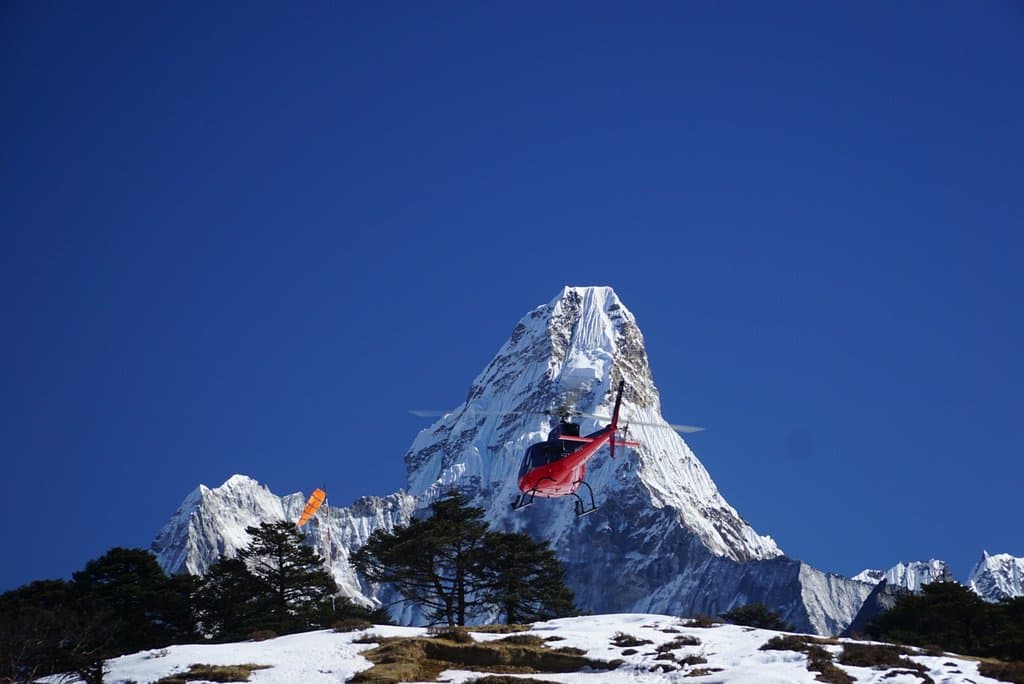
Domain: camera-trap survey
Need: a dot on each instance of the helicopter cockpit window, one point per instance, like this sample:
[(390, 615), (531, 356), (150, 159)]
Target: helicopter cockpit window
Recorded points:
[(540, 455)]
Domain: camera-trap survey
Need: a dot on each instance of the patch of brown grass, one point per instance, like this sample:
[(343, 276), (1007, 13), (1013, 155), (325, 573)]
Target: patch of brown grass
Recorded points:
[(500, 629), (623, 640), (702, 621), (457, 634), (522, 640), (422, 659), (797, 642), (213, 673), (351, 625), (504, 679), (1003, 671), (678, 642), (262, 635), (883, 657), (703, 671), (818, 659)]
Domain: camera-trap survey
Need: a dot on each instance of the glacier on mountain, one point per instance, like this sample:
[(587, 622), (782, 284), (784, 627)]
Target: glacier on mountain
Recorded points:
[(663, 538)]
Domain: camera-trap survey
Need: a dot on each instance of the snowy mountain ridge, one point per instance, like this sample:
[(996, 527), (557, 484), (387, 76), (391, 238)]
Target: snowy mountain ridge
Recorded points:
[(663, 539), (994, 577), (910, 576), (211, 523)]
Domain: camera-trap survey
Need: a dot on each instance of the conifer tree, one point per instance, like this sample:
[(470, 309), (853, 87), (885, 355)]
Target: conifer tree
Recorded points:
[(524, 579), (294, 588), (435, 562), (450, 565), (227, 600), (950, 615), (130, 585)]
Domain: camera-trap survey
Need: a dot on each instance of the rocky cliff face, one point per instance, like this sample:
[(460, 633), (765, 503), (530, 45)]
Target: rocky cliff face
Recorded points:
[(663, 538)]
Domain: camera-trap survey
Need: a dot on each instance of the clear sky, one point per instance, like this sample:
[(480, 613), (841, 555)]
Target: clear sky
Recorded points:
[(248, 237)]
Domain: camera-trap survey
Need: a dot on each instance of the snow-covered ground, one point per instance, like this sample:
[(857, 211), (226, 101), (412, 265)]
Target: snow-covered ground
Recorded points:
[(732, 652)]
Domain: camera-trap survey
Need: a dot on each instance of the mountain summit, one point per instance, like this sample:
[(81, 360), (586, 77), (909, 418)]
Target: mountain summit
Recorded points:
[(663, 538), (574, 351)]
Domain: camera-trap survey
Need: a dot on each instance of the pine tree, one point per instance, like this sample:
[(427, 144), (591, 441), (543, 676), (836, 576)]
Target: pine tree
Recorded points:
[(524, 579), (227, 600), (294, 589), (451, 566), (434, 563), (119, 603), (146, 609), (946, 614)]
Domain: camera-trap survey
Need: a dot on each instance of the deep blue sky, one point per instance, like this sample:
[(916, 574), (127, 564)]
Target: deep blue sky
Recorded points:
[(248, 238)]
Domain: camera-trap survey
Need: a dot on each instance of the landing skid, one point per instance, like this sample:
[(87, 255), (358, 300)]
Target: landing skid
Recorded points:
[(526, 498), (581, 508)]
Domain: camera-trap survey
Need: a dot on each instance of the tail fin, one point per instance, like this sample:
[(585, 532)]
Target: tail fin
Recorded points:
[(615, 417)]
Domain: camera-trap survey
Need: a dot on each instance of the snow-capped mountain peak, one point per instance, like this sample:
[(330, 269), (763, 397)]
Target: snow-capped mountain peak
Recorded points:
[(998, 576), (574, 350), (663, 539)]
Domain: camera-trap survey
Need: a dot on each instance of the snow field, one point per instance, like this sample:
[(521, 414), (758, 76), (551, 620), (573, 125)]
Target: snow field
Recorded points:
[(733, 651)]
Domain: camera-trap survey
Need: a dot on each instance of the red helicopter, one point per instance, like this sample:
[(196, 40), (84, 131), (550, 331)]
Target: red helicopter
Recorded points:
[(557, 466)]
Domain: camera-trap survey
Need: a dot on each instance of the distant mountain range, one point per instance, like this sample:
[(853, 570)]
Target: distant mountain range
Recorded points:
[(663, 539)]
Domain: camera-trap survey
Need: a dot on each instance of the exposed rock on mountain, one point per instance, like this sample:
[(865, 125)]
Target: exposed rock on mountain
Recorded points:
[(998, 576)]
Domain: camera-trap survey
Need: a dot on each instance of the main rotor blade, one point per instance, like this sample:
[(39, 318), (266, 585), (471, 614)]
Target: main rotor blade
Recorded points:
[(424, 413), (686, 429), (675, 426)]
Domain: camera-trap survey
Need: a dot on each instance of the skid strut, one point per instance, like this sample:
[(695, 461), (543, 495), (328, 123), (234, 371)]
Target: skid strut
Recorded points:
[(581, 508), (526, 498)]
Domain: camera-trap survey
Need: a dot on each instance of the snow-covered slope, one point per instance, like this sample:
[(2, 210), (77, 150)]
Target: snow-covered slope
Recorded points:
[(998, 576), (663, 539), (725, 653)]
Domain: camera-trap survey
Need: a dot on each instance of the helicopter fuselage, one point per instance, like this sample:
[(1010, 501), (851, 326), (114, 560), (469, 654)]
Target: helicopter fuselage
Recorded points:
[(558, 466)]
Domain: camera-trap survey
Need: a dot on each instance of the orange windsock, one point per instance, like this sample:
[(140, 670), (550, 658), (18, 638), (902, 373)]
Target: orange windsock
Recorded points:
[(315, 499)]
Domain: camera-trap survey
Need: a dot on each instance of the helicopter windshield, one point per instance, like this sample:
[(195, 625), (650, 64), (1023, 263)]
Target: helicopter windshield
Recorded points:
[(540, 455)]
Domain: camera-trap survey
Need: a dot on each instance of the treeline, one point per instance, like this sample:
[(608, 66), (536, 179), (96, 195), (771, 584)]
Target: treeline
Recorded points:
[(450, 565), (951, 617), (123, 602)]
